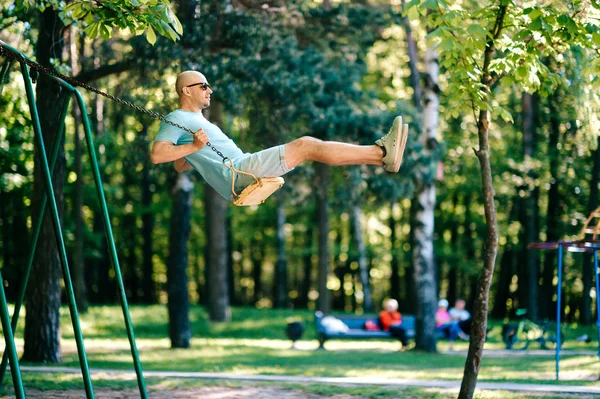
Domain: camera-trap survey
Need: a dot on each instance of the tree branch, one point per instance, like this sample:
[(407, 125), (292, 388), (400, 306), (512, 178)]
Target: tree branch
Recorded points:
[(95, 74)]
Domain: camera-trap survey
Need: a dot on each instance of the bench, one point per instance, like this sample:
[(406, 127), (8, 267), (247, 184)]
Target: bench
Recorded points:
[(356, 328)]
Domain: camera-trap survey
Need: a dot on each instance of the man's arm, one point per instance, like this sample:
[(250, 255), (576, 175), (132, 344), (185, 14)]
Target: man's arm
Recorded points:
[(164, 151), (181, 165)]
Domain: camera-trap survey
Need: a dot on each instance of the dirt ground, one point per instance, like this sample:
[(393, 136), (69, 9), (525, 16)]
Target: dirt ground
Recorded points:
[(248, 392)]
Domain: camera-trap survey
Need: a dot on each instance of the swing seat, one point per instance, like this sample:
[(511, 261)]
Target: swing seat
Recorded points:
[(257, 192)]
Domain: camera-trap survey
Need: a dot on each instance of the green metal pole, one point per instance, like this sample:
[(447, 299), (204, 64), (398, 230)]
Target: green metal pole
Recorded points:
[(10, 344), (111, 243), (58, 233), (37, 227)]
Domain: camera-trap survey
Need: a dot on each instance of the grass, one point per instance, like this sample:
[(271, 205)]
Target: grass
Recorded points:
[(255, 343)]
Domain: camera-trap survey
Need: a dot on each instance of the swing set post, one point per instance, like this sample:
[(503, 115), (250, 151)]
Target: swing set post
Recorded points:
[(37, 227), (111, 243), (10, 347), (58, 232), (49, 194)]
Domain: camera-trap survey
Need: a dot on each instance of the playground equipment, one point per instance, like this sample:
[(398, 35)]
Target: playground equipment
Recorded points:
[(520, 336), (588, 242), (8, 328)]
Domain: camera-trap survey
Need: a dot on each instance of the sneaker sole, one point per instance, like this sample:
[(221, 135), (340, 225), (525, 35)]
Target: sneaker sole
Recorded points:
[(401, 138)]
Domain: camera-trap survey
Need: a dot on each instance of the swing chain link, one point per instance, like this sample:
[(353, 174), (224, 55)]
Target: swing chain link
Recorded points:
[(38, 67)]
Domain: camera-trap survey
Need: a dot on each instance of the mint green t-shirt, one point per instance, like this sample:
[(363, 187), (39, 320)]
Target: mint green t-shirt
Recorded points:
[(204, 161)]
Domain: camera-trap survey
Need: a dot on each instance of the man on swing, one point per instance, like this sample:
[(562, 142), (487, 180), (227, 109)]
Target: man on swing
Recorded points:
[(188, 151)]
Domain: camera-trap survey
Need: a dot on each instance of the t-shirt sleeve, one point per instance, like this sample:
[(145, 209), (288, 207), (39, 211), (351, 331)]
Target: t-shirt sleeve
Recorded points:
[(169, 133)]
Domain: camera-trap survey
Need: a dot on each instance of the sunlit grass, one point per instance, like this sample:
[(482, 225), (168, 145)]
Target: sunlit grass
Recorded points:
[(255, 343), (126, 384)]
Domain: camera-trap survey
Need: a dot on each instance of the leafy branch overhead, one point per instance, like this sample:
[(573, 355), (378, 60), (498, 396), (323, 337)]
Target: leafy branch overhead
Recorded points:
[(532, 33), (100, 18)]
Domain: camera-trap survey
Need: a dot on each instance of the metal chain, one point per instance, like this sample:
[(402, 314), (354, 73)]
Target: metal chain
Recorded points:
[(38, 67)]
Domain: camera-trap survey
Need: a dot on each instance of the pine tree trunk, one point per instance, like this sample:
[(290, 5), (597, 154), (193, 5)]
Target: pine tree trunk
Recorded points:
[(42, 326), (395, 278), (148, 286), (216, 256), (180, 331), (77, 265), (531, 204), (363, 264), (307, 268), (256, 248), (128, 229), (231, 275), (588, 261), (216, 246), (451, 264), (322, 183), (280, 289), (507, 269), (553, 212), (105, 286), (408, 291)]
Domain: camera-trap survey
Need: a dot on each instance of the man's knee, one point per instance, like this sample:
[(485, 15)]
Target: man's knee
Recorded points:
[(300, 150), (307, 142)]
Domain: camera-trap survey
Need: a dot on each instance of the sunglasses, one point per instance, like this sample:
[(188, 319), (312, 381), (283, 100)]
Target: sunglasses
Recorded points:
[(205, 86)]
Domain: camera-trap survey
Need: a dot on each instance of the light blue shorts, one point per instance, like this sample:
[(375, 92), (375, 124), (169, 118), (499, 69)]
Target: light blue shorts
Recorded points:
[(265, 163)]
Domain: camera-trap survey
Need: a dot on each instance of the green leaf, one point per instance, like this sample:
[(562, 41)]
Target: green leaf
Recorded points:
[(535, 13), (177, 25), (522, 72), (151, 36), (477, 30), (536, 24), (413, 14), (504, 114), (596, 38)]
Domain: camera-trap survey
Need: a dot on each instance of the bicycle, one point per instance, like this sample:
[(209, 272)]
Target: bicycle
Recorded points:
[(518, 337)]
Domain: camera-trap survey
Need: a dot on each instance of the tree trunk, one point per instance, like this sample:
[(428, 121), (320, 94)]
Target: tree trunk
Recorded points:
[(408, 291), (530, 208), (363, 264), (395, 278), (588, 263), (507, 269), (307, 268), (553, 214), (42, 325), (231, 275), (78, 266), (322, 183), (256, 249), (148, 286), (423, 256), (280, 290), (216, 246), (128, 229), (480, 311), (180, 331), (216, 255), (415, 76)]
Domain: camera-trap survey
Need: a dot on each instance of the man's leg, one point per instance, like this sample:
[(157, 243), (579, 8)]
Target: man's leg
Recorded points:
[(331, 153), (387, 152)]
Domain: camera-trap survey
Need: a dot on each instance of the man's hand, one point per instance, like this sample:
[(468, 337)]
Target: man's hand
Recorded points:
[(200, 139)]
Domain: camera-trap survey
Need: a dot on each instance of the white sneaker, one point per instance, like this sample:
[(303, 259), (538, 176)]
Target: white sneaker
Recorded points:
[(394, 144)]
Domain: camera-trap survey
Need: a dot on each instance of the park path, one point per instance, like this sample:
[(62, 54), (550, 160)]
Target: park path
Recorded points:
[(388, 382)]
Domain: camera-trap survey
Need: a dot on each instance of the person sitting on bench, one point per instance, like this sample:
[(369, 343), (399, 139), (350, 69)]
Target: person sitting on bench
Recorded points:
[(391, 320)]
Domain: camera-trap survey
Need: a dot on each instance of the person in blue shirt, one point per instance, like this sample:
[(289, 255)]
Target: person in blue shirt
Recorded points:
[(188, 151)]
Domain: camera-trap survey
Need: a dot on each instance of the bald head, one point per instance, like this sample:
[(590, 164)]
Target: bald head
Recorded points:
[(187, 78)]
